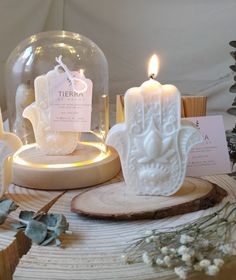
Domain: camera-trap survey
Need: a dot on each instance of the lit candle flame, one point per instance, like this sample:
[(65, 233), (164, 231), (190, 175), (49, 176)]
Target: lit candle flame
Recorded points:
[(153, 66)]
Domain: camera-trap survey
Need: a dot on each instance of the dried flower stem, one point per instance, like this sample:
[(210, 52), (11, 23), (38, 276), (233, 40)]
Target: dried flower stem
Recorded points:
[(201, 245)]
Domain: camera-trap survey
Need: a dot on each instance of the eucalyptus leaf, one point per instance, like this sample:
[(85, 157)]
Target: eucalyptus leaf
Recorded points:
[(36, 231), (49, 239), (56, 223), (233, 68), (26, 215), (233, 54), (233, 88), (50, 219), (58, 242), (3, 217), (18, 227), (43, 228), (234, 103), (232, 111), (6, 206), (233, 44)]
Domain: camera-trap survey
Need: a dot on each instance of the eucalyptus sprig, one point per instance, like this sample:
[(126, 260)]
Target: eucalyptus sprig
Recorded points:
[(202, 245), (42, 228)]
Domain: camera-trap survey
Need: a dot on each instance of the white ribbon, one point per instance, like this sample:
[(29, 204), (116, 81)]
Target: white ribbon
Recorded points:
[(70, 76)]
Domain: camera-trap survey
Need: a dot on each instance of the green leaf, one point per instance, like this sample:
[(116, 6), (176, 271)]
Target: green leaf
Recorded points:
[(3, 217), (41, 228), (55, 222), (26, 215), (49, 239), (6, 206), (36, 231)]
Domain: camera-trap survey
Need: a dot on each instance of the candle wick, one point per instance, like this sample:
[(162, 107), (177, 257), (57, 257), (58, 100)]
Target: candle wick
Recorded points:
[(152, 76)]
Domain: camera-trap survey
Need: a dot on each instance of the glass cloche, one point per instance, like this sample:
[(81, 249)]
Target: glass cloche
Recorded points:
[(58, 104), (36, 56)]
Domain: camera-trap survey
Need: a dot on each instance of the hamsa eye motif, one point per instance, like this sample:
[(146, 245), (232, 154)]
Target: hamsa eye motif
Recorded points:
[(153, 143)]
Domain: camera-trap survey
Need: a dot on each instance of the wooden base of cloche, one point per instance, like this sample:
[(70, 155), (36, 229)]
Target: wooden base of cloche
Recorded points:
[(87, 166)]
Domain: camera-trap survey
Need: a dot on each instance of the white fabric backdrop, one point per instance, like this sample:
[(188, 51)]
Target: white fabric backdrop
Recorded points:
[(190, 37)]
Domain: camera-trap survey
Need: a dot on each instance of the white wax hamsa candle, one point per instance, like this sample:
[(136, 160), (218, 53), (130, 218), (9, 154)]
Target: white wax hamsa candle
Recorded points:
[(51, 142), (153, 142)]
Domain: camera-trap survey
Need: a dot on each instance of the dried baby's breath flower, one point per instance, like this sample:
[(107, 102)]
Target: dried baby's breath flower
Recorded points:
[(181, 272), (218, 262), (167, 261), (159, 261), (197, 267), (186, 258), (226, 249), (202, 245), (147, 259), (164, 250), (149, 239), (126, 259), (182, 250), (185, 239), (212, 270), (204, 263), (173, 251)]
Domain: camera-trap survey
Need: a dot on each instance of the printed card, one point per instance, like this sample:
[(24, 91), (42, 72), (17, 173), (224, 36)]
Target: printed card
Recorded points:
[(211, 156), (71, 102)]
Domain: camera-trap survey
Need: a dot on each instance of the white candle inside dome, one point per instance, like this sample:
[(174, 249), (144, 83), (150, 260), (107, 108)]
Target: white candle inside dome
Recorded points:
[(49, 141)]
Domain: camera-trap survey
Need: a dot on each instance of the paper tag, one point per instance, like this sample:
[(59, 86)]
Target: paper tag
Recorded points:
[(71, 103), (210, 157)]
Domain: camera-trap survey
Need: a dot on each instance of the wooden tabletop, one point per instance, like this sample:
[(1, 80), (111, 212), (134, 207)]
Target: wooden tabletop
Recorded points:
[(93, 249)]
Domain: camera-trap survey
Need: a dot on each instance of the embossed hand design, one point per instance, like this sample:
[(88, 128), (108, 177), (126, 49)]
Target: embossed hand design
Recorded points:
[(153, 143), (49, 141)]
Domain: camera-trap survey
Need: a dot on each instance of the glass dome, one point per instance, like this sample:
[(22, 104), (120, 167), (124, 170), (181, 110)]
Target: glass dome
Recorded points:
[(35, 56), (58, 104)]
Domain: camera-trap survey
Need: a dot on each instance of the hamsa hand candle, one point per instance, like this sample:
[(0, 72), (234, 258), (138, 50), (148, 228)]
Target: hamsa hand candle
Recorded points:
[(9, 144), (153, 143), (59, 104)]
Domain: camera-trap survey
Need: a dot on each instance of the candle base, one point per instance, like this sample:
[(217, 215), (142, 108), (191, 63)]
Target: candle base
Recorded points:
[(87, 166)]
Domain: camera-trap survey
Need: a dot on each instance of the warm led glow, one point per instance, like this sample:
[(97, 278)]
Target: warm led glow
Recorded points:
[(101, 156), (33, 38), (81, 71), (153, 66)]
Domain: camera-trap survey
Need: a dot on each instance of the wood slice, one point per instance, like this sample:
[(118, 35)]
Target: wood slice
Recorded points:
[(87, 166), (118, 203), (94, 249)]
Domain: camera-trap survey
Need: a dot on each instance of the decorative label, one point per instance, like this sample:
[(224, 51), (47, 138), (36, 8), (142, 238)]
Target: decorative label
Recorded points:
[(211, 156), (71, 102)]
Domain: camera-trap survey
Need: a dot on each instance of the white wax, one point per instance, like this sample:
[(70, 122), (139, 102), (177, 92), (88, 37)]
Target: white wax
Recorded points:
[(49, 141), (22, 127), (152, 144), (9, 144)]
